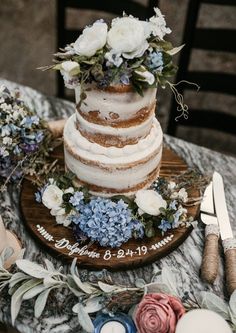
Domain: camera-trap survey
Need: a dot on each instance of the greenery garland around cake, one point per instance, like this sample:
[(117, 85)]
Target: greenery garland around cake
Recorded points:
[(128, 51), (113, 221)]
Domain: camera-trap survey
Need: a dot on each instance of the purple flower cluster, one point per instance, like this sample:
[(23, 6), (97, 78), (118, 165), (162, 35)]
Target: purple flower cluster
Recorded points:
[(21, 133)]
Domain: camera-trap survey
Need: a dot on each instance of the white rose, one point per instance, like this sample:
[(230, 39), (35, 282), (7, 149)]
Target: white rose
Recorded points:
[(92, 39), (150, 202), (158, 24), (70, 67), (52, 197), (146, 76), (127, 36)]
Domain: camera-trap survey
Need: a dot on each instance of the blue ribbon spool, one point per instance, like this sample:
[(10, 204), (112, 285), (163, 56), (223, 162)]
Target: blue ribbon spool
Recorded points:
[(121, 318)]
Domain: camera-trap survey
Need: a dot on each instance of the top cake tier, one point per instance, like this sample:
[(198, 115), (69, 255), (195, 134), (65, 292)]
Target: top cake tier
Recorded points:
[(117, 116)]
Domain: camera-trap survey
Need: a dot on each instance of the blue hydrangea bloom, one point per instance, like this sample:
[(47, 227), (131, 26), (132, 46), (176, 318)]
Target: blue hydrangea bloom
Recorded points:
[(107, 222), (155, 61), (76, 199), (165, 225), (138, 229)]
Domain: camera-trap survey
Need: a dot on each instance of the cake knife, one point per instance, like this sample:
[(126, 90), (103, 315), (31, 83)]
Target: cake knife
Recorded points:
[(228, 241), (210, 260)]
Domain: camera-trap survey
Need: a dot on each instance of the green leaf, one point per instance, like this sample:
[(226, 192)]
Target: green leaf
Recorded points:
[(149, 229), (157, 287), (32, 269), (84, 286), (93, 305), (140, 283), (107, 288), (33, 292), (169, 279), (175, 50), (84, 319), (40, 302), (17, 297), (212, 302)]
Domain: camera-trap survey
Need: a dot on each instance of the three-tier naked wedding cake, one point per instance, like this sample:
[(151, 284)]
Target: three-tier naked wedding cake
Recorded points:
[(113, 143)]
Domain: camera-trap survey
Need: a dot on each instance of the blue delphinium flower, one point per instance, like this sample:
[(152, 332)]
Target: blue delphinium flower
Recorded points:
[(107, 222), (165, 225), (172, 204), (29, 121), (155, 61), (76, 199), (39, 136), (38, 197), (177, 216)]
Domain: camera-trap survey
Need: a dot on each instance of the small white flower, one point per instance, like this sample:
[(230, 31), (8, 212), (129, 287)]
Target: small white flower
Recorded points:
[(92, 39), (7, 141), (171, 186), (63, 219), (57, 211), (181, 195), (150, 202), (52, 197), (15, 115), (70, 67), (158, 24), (114, 58), (146, 76), (127, 36), (69, 190)]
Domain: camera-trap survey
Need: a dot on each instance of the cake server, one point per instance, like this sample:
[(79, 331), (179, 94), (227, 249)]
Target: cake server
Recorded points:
[(210, 260), (228, 241)]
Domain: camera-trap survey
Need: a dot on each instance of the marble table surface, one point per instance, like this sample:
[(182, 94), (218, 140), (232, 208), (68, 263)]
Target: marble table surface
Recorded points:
[(185, 261)]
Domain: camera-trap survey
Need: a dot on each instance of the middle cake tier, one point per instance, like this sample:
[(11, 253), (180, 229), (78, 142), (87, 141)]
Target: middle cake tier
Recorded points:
[(111, 170)]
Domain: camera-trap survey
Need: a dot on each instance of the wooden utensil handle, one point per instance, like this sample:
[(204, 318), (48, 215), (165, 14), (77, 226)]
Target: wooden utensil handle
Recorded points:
[(230, 270), (210, 260)]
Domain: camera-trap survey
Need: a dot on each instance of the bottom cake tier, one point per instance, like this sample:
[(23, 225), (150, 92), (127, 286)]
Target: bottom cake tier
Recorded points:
[(108, 171)]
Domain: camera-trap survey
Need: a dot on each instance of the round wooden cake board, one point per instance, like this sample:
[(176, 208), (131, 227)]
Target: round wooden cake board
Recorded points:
[(61, 243)]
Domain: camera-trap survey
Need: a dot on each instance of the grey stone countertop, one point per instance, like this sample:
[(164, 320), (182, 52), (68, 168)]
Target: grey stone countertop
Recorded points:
[(185, 261)]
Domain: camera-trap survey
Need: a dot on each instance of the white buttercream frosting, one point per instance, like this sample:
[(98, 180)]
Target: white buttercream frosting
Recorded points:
[(112, 155)]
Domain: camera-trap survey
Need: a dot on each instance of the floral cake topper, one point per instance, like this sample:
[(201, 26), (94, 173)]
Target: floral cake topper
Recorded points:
[(128, 51)]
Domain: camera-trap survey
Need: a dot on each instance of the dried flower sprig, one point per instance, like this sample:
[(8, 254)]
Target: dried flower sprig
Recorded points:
[(25, 141)]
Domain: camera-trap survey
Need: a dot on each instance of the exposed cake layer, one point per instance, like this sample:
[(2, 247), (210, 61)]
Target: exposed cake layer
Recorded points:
[(114, 136), (116, 109), (111, 169)]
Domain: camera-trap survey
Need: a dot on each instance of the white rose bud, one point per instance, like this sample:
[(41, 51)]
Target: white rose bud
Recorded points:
[(92, 39), (150, 202), (70, 67), (146, 76), (52, 197)]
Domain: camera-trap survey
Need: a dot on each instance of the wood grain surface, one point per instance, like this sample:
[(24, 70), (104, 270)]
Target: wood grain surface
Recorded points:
[(135, 253)]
